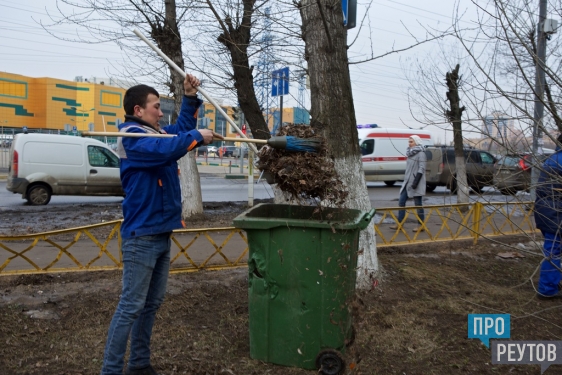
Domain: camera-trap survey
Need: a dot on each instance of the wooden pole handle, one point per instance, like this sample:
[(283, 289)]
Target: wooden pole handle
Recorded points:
[(152, 135), (247, 140), (200, 89)]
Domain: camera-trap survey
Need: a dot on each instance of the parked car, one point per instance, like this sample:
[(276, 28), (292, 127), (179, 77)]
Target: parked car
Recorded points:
[(42, 165), (441, 168), (202, 150), (512, 172), (237, 152), (227, 151), (212, 150)]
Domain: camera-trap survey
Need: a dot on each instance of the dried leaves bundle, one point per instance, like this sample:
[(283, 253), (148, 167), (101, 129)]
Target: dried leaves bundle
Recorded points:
[(302, 174)]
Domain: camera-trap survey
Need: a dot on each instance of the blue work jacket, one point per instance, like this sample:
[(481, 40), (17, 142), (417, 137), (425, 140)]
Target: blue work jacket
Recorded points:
[(149, 172), (548, 203)]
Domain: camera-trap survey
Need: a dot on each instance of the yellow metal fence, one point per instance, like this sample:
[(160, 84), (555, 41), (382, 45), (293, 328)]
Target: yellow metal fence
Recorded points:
[(97, 247), (454, 222)]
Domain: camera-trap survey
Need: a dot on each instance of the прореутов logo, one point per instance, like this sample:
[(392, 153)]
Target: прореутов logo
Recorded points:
[(498, 326), (544, 353), (489, 326)]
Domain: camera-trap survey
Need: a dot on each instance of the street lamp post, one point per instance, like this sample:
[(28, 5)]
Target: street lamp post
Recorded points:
[(83, 111)]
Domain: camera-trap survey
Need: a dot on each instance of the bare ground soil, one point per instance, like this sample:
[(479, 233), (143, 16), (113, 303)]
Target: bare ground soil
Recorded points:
[(413, 320)]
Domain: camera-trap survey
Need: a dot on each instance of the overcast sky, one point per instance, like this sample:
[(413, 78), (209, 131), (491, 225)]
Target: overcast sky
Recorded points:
[(379, 87)]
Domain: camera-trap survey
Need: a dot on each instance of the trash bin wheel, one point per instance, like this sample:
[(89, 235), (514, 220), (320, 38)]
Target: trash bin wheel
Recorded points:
[(329, 362)]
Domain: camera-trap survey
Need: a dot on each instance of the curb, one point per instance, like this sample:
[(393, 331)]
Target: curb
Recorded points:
[(240, 176)]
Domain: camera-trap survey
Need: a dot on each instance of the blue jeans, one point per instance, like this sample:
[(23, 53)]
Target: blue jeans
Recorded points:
[(146, 263), (550, 266), (402, 203)]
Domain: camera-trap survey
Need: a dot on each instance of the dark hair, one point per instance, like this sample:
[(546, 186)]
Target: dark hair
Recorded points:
[(559, 139), (137, 95)]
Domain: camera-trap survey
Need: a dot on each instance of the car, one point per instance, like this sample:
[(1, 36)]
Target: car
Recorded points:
[(237, 152), (226, 151), (43, 165), (512, 172), (201, 150), (441, 169), (212, 149)]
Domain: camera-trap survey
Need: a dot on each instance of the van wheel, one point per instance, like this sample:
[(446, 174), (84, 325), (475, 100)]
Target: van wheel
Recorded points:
[(430, 188), (390, 183), (38, 195)]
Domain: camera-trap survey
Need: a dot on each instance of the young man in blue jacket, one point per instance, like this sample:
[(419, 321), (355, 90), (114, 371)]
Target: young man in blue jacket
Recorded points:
[(548, 218), (151, 210)]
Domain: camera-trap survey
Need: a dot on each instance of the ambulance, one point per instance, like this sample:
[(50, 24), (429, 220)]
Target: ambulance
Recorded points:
[(383, 151)]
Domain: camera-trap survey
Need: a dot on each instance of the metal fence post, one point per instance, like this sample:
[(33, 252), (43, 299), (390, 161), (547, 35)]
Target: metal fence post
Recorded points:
[(476, 216)]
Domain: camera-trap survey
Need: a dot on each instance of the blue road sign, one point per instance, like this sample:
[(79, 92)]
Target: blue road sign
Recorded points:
[(349, 8), (280, 82)]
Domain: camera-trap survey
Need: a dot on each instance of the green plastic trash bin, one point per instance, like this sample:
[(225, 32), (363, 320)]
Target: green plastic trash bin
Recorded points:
[(302, 271)]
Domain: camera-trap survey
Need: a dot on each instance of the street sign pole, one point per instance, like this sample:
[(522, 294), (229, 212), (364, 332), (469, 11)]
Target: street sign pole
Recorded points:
[(281, 112)]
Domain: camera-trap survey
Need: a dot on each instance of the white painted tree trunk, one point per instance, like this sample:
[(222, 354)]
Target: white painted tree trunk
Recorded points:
[(463, 190), (333, 114), (192, 201), (351, 173)]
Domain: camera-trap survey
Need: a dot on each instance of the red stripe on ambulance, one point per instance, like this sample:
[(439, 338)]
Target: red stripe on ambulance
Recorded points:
[(386, 158)]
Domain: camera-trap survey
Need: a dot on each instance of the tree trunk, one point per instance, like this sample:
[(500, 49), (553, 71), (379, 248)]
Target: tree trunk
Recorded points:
[(455, 116), (237, 40), (333, 114), (168, 39)]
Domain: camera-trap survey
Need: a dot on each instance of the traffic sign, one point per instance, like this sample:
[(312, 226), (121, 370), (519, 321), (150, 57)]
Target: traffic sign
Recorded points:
[(74, 130), (349, 8), (280, 82)]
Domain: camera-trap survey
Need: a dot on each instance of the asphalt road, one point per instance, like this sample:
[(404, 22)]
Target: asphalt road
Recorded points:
[(213, 189), (219, 189)]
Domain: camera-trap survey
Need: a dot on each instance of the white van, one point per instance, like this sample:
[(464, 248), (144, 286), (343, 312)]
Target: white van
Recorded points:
[(42, 165), (383, 152)]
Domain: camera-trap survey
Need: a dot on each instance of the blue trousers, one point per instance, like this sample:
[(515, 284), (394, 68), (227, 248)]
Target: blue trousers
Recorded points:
[(402, 203), (550, 266), (146, 263)]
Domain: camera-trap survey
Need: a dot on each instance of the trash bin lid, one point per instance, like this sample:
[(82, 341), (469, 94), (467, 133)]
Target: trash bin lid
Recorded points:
[(268, 215)]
